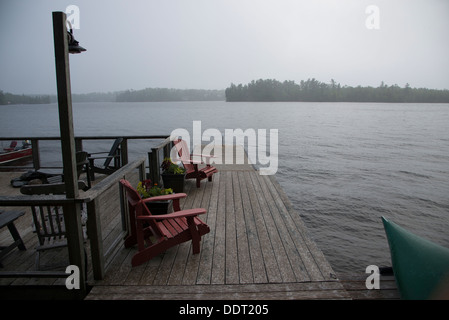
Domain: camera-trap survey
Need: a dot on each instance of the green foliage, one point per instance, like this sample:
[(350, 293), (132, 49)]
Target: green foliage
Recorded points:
[(314, 90), (169, 167), (146, 189)]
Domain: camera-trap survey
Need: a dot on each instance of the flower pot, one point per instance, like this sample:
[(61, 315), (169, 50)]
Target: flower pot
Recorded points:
[(174, 181), (159, 207)]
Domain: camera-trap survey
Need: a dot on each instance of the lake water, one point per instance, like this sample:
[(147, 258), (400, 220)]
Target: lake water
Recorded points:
[(343, 165)]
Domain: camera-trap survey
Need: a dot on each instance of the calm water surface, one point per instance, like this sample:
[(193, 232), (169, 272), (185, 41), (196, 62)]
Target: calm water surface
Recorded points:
[(343, 165)]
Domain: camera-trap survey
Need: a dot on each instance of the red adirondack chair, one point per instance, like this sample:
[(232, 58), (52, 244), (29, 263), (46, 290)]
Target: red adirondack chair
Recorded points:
[(191, 166), (168, 230)]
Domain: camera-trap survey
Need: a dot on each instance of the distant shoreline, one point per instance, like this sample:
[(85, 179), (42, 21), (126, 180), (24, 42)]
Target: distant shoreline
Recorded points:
[(144, 95), (256, 91), (312, 90)]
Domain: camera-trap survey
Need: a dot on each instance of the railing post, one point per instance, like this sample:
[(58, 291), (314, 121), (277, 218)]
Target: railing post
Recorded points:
[(142, 171), (35, 154), (150, 163), (167, 149), (123, 207), (96, 240), (78, 144), (154, 165), (124, 152)]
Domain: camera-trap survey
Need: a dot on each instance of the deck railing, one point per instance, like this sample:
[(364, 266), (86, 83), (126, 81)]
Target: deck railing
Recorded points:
[(73, 223), (91, 199), (124, 154)]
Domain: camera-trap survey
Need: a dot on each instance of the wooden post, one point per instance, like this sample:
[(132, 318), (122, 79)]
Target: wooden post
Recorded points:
[(124, 152), (78, 144), (153, 158), (72, 214), (96, 247), (123, 207), (36, 154), (142, 171), (65, 104)]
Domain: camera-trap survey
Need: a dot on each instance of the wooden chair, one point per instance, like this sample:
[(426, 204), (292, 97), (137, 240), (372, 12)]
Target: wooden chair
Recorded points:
[(168, 230), (49, 220), (50, 229), (82, 165), (191, 166), (106, 167)]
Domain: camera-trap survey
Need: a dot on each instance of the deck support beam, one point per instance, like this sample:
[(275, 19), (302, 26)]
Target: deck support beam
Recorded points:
[(72, 214)]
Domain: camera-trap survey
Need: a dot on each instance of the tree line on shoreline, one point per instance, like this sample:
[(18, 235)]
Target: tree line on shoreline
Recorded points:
[(313, 90), (144, 95), (165, 94), (9, 98)]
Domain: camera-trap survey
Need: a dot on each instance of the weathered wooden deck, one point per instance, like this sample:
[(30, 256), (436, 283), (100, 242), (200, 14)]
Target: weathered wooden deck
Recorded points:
[(258, 248)]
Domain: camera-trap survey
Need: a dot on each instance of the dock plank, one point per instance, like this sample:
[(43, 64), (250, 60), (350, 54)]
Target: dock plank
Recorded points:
[(282, 224), (192, 261), (268, 256), (218, 260), (258, 267), (208, 243), (231, 255), (243, 253), (275, 233), (281, 291)]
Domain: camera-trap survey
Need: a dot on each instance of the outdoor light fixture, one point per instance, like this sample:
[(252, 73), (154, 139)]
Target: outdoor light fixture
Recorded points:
[(74, 46)]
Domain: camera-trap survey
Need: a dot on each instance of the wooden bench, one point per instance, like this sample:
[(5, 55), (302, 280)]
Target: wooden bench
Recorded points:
[(7, 218)]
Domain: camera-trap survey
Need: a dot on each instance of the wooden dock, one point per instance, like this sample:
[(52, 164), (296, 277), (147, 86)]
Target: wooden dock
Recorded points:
[(258, 248)]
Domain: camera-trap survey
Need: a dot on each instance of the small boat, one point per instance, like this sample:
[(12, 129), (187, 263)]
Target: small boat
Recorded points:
[(421, 267), (15, 152)]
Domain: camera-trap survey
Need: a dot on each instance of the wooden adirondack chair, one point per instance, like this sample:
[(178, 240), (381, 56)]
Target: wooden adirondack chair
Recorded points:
[(107, 167), (51, 180), (48, 221), (191, 166), (82, 165), (50, 229), (168, 230)]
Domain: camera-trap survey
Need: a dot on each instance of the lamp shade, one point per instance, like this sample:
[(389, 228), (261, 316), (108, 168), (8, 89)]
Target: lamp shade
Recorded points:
[(74, 46)]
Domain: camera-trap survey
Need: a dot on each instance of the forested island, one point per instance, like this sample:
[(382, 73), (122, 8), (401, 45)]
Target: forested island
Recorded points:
[(316, 91)]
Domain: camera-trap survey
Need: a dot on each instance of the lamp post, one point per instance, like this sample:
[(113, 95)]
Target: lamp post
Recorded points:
[(63, 40)]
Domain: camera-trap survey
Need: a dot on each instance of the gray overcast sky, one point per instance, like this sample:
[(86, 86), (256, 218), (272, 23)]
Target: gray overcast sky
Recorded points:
[(209, 44)]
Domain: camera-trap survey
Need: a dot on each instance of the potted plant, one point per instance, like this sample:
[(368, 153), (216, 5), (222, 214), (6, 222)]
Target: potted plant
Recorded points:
[(147, 189), (173, 175)]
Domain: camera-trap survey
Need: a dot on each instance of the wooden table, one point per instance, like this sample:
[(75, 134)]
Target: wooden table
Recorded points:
[(7, 218)]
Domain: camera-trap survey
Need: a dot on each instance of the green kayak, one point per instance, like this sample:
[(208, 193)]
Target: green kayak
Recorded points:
[(421, 267)]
